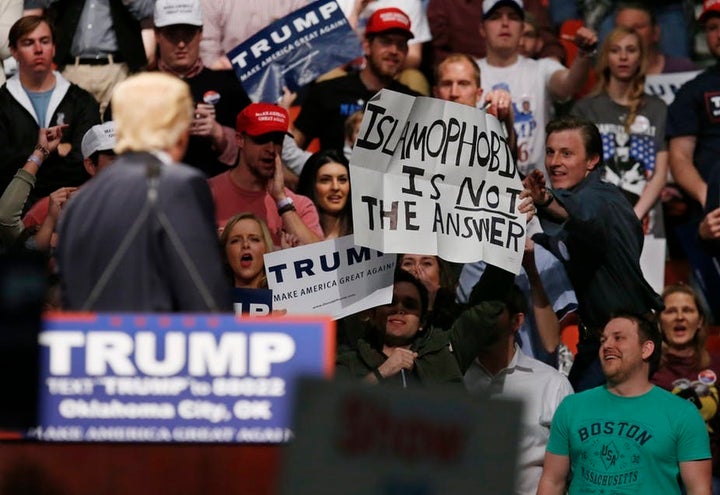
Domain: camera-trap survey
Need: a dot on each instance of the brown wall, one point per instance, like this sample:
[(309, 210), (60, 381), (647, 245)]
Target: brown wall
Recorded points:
[(108, 469)]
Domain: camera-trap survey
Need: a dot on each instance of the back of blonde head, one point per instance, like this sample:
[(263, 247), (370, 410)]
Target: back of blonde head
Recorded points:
[(151, 111)]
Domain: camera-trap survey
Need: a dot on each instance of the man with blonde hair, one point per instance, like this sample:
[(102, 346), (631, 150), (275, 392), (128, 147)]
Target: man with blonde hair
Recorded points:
[(141, 235)]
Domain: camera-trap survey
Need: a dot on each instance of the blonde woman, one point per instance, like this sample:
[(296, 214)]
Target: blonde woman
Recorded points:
[(244, 240), (632, 125)]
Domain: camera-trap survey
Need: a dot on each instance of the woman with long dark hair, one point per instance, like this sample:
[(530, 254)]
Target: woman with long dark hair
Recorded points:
[(325, 179)]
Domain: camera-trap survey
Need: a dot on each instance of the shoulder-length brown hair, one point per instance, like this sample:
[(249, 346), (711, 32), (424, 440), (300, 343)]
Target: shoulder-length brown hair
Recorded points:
[(701, 354)]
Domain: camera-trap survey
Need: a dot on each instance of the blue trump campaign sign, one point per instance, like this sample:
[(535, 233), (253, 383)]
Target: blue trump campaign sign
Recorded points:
[(252, 302), (295, 50), (182, 378)]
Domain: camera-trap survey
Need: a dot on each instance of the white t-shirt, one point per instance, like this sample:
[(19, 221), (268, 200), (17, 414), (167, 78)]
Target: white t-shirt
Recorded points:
[(528, 82), (413, 8)]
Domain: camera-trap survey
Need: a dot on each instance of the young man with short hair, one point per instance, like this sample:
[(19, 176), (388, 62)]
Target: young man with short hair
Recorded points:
[(533, 84), (39, 97), (502, 370), (218, 95), (593, 229)]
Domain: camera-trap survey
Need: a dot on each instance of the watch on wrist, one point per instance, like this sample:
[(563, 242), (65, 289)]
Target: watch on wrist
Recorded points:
[(285, 205), (547, 202), (284, 202)]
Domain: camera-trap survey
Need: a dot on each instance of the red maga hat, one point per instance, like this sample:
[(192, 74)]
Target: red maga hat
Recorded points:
[(262, 118), (389, 19), (710, 8)]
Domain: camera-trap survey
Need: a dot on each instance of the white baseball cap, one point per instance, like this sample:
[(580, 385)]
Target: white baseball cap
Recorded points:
[(99, 137), (489, 6), (171, 12)]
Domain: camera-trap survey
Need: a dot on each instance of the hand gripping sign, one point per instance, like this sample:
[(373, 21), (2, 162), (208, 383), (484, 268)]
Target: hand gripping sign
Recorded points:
[(437, 178), (294, 50)]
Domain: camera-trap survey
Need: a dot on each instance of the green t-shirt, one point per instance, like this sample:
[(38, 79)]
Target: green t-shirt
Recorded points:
[(627, 444)]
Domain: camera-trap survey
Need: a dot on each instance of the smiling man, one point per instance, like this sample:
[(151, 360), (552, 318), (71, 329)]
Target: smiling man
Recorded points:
[(329, 103), (628, 436), (593, 230)]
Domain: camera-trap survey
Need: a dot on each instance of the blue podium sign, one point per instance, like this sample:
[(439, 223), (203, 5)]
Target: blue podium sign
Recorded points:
[(176, 378)]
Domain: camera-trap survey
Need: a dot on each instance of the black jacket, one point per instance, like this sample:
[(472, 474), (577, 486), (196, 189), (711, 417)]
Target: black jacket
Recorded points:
[(19, 128)]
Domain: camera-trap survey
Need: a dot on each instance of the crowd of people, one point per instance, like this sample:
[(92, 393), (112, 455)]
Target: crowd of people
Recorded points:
[(131, 155)]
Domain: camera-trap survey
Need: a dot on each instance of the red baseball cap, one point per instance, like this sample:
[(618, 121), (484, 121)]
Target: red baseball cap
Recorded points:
[(710, 8), (389, 19), (262, 118)]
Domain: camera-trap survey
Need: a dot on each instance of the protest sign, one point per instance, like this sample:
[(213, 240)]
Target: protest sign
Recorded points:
[(294, 51), (665, 86), (333, 277), (183, 378), (418, 442), (651, 257), (436, 177)]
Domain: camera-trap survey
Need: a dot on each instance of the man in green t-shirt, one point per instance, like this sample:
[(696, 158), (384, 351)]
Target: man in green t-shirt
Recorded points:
[(627, 436)]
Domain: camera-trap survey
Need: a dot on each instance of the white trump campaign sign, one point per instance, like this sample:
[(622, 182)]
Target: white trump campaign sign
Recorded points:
[(436, 177), (333, 277)]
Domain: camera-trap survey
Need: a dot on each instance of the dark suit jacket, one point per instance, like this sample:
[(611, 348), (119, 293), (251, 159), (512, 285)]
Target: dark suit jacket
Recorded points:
[(172, 261)]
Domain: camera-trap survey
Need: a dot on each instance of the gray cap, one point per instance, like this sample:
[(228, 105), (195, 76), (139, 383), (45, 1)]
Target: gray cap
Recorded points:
[(171, 12)]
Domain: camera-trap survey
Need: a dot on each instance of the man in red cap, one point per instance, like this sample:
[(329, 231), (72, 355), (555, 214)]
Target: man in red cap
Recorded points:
[(256, 183), (329, 103)]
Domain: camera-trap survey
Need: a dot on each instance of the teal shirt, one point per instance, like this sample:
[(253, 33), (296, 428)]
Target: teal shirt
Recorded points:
[(627, 444)]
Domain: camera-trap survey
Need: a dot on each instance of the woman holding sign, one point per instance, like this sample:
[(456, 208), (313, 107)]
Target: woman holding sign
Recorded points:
[(325, 179), (399, 349), (632, 124)]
